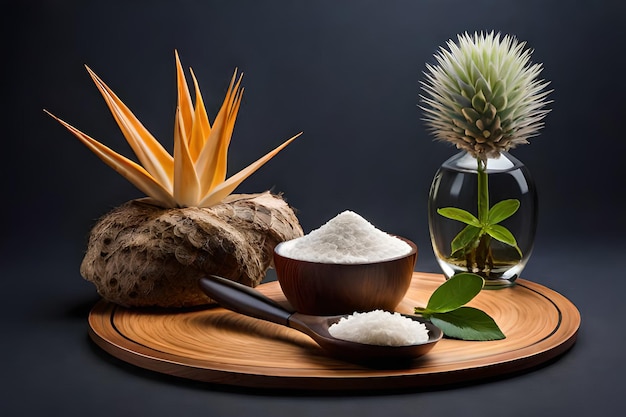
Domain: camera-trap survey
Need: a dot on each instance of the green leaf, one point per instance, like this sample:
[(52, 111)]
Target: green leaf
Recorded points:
[(479, 101), (499, 99), (500, 102), (467, 323), (455, 292), (465, 238), (483, 85), (502, 210), (502, 234), (460, 215)]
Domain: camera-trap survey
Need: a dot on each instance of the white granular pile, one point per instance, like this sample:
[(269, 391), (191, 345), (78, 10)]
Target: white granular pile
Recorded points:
[(345, 239), (381, 328)]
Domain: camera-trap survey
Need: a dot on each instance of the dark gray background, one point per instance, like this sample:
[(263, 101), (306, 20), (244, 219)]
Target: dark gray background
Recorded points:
[(347, 74)]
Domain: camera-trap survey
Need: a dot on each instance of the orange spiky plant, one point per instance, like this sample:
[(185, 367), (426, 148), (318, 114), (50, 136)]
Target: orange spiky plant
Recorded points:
[(152, 251)]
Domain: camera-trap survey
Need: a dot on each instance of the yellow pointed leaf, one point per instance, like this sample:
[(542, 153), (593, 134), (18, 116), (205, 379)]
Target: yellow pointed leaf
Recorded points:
[(195, 175), (186, 184), (227, 187), (201, 126), (185, 107), (133, 172), (227, 134), (154, 158), (208, 161)]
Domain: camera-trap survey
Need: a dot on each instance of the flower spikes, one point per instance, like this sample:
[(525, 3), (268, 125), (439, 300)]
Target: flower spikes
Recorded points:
[(484, 95), (195, 176)]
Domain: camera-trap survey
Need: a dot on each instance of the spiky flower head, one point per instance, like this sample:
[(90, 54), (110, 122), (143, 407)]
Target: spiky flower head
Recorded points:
[(484, 95), (195, 175)]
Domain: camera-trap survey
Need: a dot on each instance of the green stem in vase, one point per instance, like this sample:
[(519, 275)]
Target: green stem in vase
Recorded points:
[(482, 257), (483, 191), (473, 243)]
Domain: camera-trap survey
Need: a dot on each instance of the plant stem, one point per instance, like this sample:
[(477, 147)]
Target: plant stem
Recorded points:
[(472, 245), (482, 252), (483, 191)]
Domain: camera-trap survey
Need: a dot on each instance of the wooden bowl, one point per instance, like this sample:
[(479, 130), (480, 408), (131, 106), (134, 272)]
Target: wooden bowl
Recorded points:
[(332, 288)]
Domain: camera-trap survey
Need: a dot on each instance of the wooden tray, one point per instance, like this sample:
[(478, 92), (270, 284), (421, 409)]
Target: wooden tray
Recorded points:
[(219, 346)]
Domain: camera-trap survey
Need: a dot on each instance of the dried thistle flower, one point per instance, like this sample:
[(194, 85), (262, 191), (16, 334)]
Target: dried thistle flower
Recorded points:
[(484, 95), (195, 176)]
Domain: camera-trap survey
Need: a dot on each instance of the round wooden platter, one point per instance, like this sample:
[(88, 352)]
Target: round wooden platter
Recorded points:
[(218, 346)]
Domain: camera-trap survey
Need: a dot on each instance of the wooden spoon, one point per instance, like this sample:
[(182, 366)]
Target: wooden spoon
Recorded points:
[(245, 300)]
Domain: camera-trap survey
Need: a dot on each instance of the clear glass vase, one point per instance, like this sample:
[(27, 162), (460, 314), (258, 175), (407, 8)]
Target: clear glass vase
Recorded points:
[(493, 233)]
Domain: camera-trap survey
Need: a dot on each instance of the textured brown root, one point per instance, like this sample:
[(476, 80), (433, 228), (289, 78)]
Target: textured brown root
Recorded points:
[(142, 255)]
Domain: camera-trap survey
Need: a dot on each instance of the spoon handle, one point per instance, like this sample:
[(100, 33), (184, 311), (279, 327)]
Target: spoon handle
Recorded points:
[(243, 299)]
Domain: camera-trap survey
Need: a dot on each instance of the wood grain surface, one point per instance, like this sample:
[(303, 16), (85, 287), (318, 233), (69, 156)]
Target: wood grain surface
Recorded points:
[(218, 346)]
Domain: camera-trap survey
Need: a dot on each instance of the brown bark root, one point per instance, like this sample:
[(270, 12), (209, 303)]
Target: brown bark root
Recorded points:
[(142, 255)]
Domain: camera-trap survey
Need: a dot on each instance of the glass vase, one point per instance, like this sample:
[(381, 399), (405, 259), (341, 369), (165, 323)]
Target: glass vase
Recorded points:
[(482, 217)]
